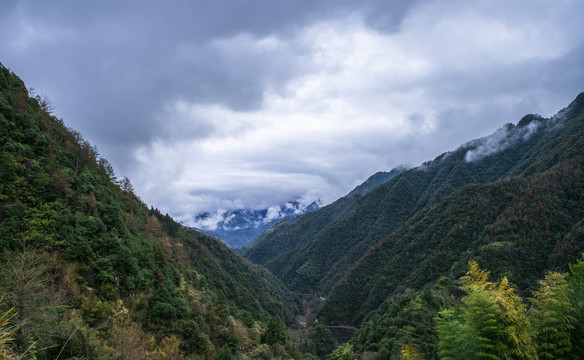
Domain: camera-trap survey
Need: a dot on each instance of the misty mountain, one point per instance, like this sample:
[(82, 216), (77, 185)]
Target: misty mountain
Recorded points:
[(388, 261), (528, 221), (315, 252), (91, 271), (240, 226)]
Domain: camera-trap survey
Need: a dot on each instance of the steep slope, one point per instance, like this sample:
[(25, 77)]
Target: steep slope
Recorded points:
[(315, 251), (519, 226), (91, 271)]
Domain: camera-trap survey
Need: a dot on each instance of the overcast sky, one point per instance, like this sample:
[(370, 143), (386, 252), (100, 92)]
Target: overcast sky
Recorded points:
[(223, 104)]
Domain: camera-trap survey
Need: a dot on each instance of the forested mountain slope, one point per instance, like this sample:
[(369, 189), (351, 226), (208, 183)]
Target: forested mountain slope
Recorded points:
[(92, 272), (520, 226), (315, 251)]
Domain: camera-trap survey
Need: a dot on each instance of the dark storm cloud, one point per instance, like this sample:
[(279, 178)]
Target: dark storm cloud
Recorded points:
[(128, 58), (252, 103)]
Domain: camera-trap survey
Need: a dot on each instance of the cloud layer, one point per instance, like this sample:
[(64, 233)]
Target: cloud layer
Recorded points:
[(228, 104)]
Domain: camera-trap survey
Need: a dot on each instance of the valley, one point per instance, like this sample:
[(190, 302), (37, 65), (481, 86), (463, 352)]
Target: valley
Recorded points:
[(400, 267)]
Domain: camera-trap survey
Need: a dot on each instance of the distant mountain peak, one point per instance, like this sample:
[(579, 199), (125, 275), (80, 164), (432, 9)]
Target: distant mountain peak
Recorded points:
[(237, 227)]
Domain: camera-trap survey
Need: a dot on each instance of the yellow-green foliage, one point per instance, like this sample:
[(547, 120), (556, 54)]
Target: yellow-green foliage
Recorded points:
[(551, 315), (6, 334), (408, 352), (343, 352), (492, 321)]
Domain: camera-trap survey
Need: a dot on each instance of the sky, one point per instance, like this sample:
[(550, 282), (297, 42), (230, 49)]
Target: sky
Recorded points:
[(209, 105)]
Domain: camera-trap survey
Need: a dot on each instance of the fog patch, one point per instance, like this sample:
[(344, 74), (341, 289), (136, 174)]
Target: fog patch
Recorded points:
[(211, 221), (237, 219), (503, 138)]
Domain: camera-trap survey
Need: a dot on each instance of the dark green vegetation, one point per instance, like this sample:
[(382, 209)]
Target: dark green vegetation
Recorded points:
[(93, 273), (490, 321), (388, 260), (520, 226), (314, 252)]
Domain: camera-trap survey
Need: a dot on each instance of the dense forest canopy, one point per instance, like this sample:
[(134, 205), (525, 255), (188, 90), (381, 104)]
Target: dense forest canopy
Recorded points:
[(90, 271), (511, 201)]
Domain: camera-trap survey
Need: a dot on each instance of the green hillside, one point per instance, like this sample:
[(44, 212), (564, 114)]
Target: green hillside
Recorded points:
[(314, 252), (91, 272), (388, 261), (519, 226)]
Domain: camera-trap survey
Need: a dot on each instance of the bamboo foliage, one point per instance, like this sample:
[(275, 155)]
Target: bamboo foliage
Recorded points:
[(6, 332), (552, 317)]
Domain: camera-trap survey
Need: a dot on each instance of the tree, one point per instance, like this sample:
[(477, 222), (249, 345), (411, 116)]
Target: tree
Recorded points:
[(343, 352), (491, 323), (517, 330), (408, 352), (480, 316), (551, 316), (474, 277), (455, 341), (323, 342), (126, 186), (275, 333), (225, 353), (126, 336), (37, 304), (576, 284)]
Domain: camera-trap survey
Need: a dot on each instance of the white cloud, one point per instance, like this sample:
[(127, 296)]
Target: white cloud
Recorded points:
[(274, 212), (204, 116), (361, 94), (500, 140)]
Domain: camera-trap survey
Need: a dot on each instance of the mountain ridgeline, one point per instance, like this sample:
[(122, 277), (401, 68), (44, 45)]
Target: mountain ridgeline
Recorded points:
[(91, 272), (239, 227), (514, 201)]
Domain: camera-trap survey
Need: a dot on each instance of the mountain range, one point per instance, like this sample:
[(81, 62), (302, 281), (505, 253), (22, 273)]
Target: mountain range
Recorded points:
[(238, 227), (513, 201), (87, 270)]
